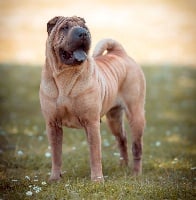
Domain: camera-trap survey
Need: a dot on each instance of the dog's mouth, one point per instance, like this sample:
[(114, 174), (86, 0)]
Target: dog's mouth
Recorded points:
[(75, 57)]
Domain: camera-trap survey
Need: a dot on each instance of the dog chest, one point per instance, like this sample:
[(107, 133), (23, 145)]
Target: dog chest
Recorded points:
[(66, 111)]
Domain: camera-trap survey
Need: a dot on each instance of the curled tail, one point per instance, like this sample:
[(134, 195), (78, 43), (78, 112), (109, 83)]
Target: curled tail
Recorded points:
[(108, 45)]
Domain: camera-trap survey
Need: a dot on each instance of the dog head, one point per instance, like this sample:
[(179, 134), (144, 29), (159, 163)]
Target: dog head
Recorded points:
[(69, 39)]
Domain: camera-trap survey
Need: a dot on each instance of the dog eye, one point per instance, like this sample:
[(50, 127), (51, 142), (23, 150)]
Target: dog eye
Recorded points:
[(65, 28)]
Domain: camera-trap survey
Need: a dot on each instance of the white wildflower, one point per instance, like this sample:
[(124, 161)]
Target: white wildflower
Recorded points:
[(29, 193), (160, 165), (106, 143), (157, 143), (116, 154), (66, 185), (44, 183), (47, 154), (35, 179), (27, 177), (37, 189), (30, 133), (175, 161), (40, 138), (14, 180), (84, 143), (193, 168), (73, 148), (20, 153)]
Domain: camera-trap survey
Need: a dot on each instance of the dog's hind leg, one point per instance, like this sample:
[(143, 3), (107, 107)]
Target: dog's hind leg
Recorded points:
[(136, 118), (115, 122)]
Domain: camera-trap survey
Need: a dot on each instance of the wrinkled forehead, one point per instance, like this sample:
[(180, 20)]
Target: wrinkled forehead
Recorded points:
[(72, 21)]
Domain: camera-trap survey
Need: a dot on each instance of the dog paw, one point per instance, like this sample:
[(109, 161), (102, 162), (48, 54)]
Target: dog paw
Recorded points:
[(55, 177), (98, 179), (137, 168), (137, 173)]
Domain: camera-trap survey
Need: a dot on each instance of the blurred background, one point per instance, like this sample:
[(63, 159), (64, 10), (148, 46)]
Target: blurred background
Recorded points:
[(152, 31), (161, 36)]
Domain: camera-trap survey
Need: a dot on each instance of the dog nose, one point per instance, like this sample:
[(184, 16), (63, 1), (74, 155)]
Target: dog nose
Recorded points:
[(81, 33)]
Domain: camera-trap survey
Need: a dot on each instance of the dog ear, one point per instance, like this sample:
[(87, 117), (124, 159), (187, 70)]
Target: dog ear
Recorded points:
[(82, 19), (51, 24)]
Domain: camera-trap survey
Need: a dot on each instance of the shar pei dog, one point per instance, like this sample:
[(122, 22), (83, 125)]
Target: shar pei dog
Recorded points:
[(77, 89)]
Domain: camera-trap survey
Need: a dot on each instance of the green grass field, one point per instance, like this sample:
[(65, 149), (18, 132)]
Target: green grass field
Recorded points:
[(169, 161)]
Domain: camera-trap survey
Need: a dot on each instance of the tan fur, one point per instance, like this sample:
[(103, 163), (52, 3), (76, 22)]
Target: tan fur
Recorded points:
[(78, 96)]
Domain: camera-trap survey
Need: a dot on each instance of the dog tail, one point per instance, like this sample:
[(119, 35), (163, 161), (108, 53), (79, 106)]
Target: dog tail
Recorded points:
[(109, 45)]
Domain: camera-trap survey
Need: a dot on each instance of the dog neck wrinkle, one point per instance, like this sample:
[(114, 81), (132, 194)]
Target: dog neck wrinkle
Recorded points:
[(69, 78)]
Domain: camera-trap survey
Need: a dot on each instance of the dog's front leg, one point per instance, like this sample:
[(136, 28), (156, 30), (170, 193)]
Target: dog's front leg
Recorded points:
[(55, 137), (94, 141)]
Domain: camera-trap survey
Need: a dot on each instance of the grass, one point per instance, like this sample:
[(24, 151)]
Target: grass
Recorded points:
[(169, 163)]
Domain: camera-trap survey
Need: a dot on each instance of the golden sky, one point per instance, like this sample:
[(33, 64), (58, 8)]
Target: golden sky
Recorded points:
[(152, 32)]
